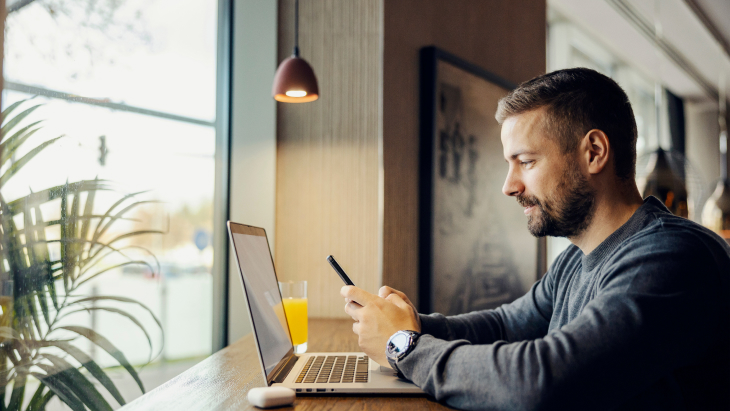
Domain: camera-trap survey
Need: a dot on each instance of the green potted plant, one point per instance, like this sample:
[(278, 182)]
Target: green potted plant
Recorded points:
[(40, 289)]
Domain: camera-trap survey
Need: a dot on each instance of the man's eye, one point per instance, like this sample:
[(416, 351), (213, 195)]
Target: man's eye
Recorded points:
[(526, 163)]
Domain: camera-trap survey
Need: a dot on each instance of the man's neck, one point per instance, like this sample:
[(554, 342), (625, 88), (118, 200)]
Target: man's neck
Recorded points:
[(611, 212)]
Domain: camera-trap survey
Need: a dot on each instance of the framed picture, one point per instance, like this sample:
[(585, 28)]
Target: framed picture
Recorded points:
[(475, 251)]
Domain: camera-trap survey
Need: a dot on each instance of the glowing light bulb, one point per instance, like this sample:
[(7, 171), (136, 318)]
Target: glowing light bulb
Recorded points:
[(296, 93)]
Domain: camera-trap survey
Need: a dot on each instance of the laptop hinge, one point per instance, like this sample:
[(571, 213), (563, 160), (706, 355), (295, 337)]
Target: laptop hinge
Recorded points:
[(284, 371)]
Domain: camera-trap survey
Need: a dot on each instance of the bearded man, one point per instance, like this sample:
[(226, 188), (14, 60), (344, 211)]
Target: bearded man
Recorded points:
[(635, 315)]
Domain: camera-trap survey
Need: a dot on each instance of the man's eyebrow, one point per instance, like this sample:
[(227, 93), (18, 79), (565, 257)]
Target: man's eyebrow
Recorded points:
[(519, 153)]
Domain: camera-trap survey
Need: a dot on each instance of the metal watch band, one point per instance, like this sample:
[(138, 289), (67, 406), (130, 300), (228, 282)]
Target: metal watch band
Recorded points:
[(394, 366)]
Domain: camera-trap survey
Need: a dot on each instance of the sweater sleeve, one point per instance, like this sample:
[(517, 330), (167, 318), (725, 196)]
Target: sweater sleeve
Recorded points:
[(527, 317), (654, 311)]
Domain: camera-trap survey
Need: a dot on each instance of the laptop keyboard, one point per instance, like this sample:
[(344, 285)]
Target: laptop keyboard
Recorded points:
[(334, 368)]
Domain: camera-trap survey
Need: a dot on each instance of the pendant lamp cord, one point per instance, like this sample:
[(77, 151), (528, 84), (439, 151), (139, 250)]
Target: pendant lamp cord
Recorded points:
[(296, 28), (657, 83)]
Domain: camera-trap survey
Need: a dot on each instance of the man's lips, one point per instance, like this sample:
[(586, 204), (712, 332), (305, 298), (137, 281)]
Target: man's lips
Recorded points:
[(528, 209)]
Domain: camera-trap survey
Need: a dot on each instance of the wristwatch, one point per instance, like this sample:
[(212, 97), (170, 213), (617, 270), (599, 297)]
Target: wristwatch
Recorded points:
[(399, 345)]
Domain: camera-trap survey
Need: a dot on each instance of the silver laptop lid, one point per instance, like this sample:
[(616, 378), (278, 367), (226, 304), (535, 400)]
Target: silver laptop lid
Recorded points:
[(263, 297)]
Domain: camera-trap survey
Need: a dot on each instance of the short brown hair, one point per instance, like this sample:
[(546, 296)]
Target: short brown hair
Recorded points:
[(579, 100)]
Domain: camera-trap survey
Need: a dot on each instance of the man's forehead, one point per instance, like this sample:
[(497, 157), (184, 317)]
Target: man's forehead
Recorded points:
[(523, 133)]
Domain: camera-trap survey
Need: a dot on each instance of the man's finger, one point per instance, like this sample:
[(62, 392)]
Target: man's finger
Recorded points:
[(356, 294), (398, 301), (385, 291), (353, 310)]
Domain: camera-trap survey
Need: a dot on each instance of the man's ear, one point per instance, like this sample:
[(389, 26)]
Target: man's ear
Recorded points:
[(597, 149)]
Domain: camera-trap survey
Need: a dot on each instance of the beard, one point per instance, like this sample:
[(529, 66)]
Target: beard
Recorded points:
[(567, 213)]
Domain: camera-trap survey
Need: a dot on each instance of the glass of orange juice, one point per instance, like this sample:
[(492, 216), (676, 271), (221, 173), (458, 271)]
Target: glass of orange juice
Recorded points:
[(294, 296)]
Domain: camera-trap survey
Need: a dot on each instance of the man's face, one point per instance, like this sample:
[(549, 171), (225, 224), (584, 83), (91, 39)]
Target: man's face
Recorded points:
[(557, 197)]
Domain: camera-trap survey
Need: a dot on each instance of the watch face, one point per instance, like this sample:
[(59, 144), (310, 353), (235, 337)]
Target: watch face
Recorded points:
[(398, 345), (400, 341)]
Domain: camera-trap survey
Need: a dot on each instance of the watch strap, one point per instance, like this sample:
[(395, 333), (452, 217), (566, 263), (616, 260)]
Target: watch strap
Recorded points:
[(394, 366)]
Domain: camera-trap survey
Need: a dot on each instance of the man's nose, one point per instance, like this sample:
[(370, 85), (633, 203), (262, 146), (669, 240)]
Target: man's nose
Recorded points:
[(512, 185)]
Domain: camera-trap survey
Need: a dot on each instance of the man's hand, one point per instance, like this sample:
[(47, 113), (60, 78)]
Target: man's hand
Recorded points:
[(385, 291), (377, 318)]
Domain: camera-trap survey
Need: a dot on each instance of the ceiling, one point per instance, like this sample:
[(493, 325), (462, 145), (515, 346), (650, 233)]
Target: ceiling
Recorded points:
[(693, 40)]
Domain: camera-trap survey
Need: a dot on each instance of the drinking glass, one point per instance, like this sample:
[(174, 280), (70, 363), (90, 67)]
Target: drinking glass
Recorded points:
[(294, 297)]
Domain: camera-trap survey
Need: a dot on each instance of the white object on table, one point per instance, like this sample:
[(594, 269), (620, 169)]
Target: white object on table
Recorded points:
[(267, 397)]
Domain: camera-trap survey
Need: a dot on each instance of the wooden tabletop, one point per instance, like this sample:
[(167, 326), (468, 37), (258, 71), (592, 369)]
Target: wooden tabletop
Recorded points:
[(221, 381)]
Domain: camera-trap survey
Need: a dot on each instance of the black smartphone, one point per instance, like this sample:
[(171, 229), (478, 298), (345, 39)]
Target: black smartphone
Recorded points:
[(339, 270)]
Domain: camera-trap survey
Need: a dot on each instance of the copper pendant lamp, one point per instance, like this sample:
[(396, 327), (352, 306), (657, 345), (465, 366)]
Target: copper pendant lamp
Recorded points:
[(666, 180), (294, 81)]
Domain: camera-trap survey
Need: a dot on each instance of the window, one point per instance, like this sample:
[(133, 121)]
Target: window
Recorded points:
[(129, 86)]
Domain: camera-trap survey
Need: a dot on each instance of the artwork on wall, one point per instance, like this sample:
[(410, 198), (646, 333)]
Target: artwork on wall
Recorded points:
[(475, 251)]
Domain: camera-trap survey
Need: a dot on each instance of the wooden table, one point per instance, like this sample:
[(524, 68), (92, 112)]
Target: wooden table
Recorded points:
[(221, 381)]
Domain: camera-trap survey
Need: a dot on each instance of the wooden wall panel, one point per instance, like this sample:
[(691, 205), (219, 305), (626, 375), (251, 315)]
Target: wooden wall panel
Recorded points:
[(506, 37), (327, 154)]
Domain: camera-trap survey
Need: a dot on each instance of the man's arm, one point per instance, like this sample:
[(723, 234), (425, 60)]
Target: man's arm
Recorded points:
[(657, 310), (525, 318), (528, 317)]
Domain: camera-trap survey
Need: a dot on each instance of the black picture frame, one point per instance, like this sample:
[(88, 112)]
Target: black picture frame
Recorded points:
[(454, 278)]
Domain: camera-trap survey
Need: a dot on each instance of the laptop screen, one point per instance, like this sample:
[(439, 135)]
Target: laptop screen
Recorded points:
[(262, 292)]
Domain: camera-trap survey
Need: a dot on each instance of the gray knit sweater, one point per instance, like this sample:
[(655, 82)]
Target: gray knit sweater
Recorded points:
[(641, 323)]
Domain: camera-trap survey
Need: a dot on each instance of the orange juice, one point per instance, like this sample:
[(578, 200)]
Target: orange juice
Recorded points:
[(296, 314)]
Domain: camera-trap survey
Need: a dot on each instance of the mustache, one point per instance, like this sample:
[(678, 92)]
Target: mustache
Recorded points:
[(527, 201)]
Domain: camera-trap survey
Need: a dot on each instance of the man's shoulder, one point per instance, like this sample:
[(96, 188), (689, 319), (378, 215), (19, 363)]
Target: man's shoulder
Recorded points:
[(666, 230), (659, 223), (670, 249)]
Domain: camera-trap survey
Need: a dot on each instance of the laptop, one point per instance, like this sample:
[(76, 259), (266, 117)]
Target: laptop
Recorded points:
[(310, 373)]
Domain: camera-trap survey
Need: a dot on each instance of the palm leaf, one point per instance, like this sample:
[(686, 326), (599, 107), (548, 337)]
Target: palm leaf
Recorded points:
[(104, 245), (76, 381), (88, 210), (123, 313), (107, 346), (134, 234), (120, 299), (101, 230), (55, 384), (41, 404), (72, 231), (98, 273), (16, 398), (17, 119), (65, 247), (9, 110), (57, 192), (7, 333), (37, 396), (89, 264), (39, 272), (90, 365), (29, 301), (10, 145), (26, 158), (109, 212)]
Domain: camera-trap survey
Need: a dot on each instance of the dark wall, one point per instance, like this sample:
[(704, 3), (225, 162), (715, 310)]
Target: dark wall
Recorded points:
[(506, 37)]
